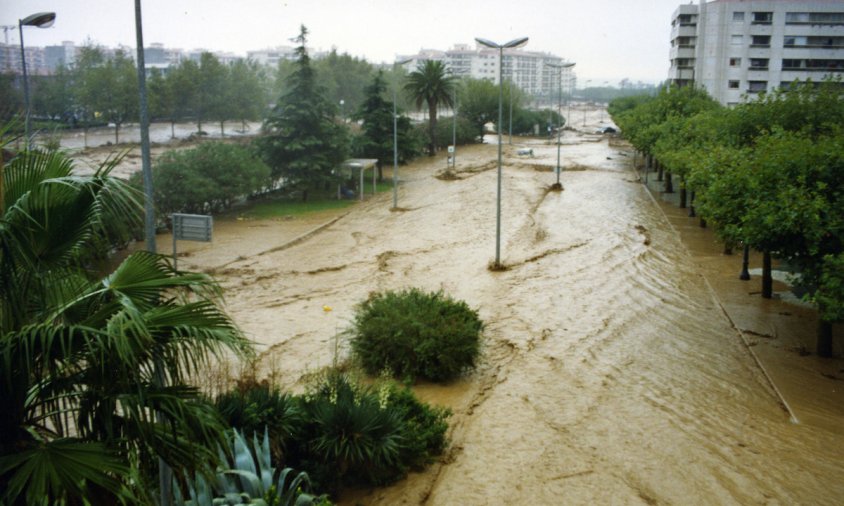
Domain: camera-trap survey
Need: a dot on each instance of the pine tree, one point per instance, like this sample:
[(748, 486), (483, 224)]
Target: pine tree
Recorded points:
[(303, 144), (376, 113)]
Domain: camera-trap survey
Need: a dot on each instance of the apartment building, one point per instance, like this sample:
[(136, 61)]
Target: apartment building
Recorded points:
[(527, 69), (736, 49)]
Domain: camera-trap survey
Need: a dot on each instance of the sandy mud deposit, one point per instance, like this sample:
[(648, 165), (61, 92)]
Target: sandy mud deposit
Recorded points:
[(610, 374)]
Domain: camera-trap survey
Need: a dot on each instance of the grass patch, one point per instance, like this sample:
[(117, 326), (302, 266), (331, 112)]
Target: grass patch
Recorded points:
[(283, 206)]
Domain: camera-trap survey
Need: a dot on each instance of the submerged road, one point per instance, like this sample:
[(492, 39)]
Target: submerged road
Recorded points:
[(610, 375)]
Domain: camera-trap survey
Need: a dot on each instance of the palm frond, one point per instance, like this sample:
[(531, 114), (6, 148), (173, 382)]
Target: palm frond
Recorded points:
[(52, 471)]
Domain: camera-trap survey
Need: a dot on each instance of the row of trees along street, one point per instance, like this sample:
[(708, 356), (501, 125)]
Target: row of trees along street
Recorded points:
[(766, 174)]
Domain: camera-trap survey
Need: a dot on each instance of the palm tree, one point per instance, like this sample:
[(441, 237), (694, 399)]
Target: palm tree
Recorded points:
[(87, 361), (431, 84)]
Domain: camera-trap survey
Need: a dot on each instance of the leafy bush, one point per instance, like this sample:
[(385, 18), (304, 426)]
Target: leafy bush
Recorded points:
[(416, 334), (424, 426), (255, 407), (466, 132), (370, 435), (525, 120), (212, 175), (351, 436)]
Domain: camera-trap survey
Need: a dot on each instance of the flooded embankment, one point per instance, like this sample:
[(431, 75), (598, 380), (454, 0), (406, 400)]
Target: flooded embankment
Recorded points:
[(611, 373)]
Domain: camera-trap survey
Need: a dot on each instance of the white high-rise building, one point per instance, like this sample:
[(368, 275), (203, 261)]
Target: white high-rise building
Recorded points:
[(736, 49), (527, 69)]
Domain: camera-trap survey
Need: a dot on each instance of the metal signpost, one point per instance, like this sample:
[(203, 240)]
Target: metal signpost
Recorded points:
[(190, 227)]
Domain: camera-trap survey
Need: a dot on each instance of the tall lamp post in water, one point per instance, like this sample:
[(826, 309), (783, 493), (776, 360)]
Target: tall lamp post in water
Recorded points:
[(396, 140), (559, 68), (501, 47), (39, 20)]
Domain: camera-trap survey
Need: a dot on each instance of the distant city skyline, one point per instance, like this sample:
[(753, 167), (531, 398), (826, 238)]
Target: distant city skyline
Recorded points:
[(608, 39)]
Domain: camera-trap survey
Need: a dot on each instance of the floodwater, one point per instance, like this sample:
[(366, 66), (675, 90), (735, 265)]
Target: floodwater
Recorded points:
[(610, 374)]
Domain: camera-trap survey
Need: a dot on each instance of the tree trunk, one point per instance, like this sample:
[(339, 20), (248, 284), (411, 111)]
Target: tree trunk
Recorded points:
[(767, 279), (172, 129), (659, 171), (824, 338), (702, 223), (304, 195), (692, 205), (116, 133), (380, 171), (728, 250), (682, 193), (432, 122), (669, 183), (222, 129)]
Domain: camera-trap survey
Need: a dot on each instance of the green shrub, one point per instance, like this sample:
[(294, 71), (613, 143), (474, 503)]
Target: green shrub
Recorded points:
[(466, 132), (425, 426), (211, 176), (255, 407), (350, 435), (416, 334)]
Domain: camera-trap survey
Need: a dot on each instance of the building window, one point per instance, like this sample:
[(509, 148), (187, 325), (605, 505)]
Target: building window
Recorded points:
[(758, 64), (757, 86), (735, 62), (813, 42), (737, 40), (815, 64), (760, 41), (687, 19), (789, 64), (733, 85), (814, 18), (763, 18), (738, 17)]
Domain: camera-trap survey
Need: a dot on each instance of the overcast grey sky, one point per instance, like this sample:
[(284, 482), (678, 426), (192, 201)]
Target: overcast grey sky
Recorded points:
[(608, 39)]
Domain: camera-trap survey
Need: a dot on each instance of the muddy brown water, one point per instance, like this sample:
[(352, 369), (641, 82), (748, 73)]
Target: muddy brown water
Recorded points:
[(610, 374)]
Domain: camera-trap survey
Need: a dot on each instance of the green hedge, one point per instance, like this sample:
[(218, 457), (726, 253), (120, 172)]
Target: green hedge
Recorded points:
[(414, 334)]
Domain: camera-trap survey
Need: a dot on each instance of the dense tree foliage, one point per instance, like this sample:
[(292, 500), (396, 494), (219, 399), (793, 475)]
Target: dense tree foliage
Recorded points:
[(207, 178), (478, 103), (376, 117), (767, 173), (302, 143)]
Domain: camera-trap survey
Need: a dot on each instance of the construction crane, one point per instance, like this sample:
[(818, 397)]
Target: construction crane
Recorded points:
[(6, 29)]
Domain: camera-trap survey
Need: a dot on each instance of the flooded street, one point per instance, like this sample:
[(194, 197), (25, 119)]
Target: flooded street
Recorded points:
[(610, 374)]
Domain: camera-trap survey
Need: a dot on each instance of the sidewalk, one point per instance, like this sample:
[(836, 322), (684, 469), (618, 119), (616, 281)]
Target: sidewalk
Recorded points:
[(779, 331)]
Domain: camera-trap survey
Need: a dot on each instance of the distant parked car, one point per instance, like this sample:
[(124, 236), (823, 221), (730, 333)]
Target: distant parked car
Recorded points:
[(606, 130)]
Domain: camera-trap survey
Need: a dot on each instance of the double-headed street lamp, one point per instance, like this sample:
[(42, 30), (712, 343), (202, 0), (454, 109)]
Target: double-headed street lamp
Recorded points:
[(501, 47), (39, 20), (559, 68), (396, 140)]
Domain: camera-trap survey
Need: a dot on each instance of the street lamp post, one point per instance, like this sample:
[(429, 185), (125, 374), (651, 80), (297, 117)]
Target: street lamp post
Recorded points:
[(559, 68), (454, 132), (584, 97), (39, 20), (396, 142), (501, 47), (510, 104)]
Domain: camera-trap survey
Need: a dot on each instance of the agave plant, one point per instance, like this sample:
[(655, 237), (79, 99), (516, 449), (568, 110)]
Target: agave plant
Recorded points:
[(249, 477)]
